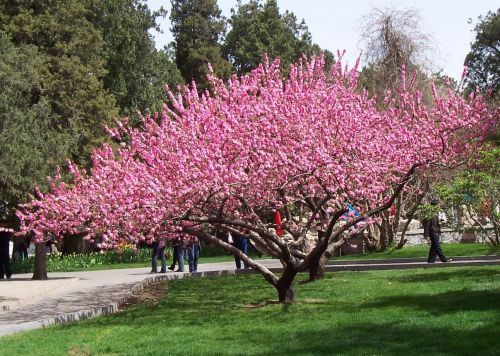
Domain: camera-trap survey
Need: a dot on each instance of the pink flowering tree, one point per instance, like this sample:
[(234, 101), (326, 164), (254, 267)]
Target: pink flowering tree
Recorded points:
[(307, 146)]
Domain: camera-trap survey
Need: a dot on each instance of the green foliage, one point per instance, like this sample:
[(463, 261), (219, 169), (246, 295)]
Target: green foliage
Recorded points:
[(64, 65), (71, 78), (478, 190), (483, 61), (348, 313), (136, 71), (258, 28), (83, 261), (427, 211), (198, 28), (31, 144)]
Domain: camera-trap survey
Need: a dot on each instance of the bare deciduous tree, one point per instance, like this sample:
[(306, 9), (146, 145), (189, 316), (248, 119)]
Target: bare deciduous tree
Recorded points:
[(393, 38)]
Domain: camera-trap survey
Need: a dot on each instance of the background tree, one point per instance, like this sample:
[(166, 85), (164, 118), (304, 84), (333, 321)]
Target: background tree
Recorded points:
[(198, 29), (75, 69), (64, 64), (483, 61), (393, 39), (136, 70), (396, 52), (30, 144), (258, 28), (477, 191)]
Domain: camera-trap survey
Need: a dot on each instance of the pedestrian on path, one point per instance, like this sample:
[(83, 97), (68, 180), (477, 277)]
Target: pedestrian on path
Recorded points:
[(159, 251), (241, 243), (181, 252), (5, 237), (178, 254), (175, 245), (432, 230), (193, 252)]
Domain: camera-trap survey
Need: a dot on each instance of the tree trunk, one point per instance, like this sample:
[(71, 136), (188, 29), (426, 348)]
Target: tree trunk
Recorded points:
[(40, 268), (317, 271), (410, 215), (383, 236), (286, 294), (371, 238)]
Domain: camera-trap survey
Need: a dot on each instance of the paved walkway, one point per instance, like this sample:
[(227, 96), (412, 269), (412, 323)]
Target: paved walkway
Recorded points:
[(69, 296)]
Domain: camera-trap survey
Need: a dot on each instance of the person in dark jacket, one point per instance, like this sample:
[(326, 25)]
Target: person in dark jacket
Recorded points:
[(5, 237), (241, 243), (432, 230)]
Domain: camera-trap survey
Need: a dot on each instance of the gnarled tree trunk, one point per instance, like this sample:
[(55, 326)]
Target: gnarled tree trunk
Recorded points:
[(286, 294), (317, 271)]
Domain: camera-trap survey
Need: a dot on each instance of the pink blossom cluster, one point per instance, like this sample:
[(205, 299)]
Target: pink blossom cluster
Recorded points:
[(260, 141)]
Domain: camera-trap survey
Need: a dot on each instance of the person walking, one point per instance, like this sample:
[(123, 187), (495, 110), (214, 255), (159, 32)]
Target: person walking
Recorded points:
[(193, 252), (175, 245), (241, 243), (432, 230), (5, 237), (159, 251), (181, 251), (178, 255)]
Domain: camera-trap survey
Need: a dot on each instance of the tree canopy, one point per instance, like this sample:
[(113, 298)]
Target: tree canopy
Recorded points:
[(306, 146), (30, 144), (483, 61), (198, 29), (258, 28), (69, 67), (136, 70), (74, 68)]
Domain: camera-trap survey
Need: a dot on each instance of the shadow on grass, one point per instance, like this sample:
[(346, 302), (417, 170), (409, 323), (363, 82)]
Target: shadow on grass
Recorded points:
[(442, 303), (444, 275), (382, 339)]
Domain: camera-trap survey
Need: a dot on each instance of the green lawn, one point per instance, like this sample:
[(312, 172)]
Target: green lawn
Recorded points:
[(452, 311), (450, 250)]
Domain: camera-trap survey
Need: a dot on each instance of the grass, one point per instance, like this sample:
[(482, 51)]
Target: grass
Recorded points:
[(450, 250), (452, 311)]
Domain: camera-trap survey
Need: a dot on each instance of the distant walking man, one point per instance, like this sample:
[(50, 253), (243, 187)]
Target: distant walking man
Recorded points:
[(5, 236), (432, 230)]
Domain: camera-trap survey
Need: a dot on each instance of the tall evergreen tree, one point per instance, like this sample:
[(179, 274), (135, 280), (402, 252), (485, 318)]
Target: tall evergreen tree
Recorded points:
[(136, 69), (75, 68), (258, 28), (198, 28), (483, 60), (30, 145)]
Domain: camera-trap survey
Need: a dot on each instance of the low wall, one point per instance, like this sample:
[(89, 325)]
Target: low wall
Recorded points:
[(416, 237)]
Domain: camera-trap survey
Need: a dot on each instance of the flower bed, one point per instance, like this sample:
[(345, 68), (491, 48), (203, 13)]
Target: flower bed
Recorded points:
[(125, 254)]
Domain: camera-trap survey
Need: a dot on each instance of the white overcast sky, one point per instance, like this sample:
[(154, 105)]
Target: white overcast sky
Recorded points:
[(336, 24)]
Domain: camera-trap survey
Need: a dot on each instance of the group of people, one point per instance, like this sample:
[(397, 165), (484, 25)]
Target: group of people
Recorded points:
[(182, 250), (190, 250)]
